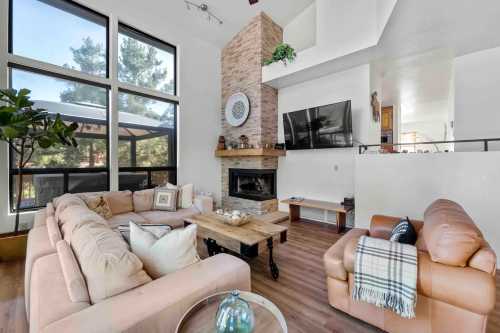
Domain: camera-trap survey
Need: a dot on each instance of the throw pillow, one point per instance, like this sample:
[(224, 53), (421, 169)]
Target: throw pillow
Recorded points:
[(159, 230), (165, 199), (161, 256), (186, 195), (404, 233), (98, 205)]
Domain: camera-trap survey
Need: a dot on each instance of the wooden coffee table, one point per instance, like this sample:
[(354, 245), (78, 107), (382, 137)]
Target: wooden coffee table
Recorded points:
[(248, 241)]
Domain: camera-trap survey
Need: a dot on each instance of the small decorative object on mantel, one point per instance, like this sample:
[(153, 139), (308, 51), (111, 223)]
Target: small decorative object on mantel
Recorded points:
[(279, 146), (284, 53), (375, 107), (222, 143), (237, 109), (243, 142)]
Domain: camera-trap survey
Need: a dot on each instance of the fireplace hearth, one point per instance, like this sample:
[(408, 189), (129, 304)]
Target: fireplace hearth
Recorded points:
[(252, 184)]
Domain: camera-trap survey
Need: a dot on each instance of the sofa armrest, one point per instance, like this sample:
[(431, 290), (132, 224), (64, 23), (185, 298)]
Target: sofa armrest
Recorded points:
[(381, 225), (464, 287), (158, 306), (40, 219), (204, 203), (334, 257)]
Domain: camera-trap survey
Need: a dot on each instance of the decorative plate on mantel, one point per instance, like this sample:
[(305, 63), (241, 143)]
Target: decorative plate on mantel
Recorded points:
[(237, 109)]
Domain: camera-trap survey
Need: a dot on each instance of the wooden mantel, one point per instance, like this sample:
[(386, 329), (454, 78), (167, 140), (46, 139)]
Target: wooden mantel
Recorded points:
[(257, 152)]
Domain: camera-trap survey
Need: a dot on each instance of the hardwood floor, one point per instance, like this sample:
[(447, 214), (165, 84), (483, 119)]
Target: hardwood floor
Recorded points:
[(300, 292)]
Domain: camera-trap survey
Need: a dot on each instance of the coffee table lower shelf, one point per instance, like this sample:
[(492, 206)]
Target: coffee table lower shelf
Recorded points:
[(246, 252), (218, 239)]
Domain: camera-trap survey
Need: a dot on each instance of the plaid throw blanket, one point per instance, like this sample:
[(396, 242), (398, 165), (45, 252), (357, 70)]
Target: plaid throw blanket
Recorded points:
[(385, 274)]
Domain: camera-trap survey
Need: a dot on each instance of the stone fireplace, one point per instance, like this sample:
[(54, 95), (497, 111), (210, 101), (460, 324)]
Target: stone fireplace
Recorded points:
[(242, 60), (252, 184)]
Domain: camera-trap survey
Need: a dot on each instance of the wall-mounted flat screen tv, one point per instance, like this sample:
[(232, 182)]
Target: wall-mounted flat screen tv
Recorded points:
[(328, 126)]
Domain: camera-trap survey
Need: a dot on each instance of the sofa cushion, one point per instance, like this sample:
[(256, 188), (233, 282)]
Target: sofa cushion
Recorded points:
[(143, 200), (99, 205), (173, 219), (107, 264), (170, 253), (450, 234), (74, 281), (75, 217), (50, 301), (53, 231), (185, 194), (65, 201), (120, 202), (125, 218)]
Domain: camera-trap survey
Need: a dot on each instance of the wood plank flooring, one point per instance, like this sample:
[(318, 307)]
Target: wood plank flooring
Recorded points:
[(300, 292)]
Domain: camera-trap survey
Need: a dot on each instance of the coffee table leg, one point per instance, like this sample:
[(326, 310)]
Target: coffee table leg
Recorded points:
[(275, 272), (212, 247)]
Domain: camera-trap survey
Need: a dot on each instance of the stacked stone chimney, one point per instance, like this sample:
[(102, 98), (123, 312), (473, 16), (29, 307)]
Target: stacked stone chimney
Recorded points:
[(242, 60)]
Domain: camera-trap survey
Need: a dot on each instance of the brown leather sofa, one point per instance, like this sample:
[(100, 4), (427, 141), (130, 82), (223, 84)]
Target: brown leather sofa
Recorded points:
[(456, 274)]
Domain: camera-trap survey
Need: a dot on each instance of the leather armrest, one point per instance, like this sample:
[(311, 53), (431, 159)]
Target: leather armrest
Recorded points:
[(381, 225), (204, 204), (334, 257), (465, 287), (484, 259)]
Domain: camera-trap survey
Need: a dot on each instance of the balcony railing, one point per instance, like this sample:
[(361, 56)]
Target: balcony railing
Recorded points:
[(390, 147), (41, 185)]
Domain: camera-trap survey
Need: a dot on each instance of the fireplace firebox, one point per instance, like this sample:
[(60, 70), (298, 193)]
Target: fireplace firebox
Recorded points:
[(252, 184)]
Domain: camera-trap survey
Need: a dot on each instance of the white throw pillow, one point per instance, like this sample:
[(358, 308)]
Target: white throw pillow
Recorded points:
[(186, 195), (161, 256)]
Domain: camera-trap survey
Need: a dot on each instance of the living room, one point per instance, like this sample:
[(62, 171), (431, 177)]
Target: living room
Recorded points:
[(252, 154)]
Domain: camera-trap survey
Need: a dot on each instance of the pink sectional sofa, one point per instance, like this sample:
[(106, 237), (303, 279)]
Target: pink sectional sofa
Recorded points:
[(57, 288)]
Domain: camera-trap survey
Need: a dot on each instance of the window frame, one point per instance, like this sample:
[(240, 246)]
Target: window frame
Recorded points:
[(111, 82)]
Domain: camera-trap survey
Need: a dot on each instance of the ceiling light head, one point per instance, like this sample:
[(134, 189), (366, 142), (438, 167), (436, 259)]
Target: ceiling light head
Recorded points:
[(204, 8)]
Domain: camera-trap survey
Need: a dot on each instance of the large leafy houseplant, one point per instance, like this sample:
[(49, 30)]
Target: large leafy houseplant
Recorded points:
[(284, 53), (26, 129)]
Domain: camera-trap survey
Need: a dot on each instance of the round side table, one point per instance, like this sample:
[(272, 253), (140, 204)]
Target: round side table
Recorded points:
[(200, 318)]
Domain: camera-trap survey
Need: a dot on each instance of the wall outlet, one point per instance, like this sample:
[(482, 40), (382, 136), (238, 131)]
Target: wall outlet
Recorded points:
[(336, 168)]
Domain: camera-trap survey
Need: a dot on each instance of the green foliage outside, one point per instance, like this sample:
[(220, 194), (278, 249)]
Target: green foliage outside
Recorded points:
[(138, 65)]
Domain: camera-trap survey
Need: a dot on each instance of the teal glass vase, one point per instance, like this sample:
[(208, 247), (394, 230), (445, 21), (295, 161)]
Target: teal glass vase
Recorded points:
[(234, 315)]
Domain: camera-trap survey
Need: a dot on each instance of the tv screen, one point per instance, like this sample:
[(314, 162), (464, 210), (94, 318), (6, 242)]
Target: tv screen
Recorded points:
[(328, 126)]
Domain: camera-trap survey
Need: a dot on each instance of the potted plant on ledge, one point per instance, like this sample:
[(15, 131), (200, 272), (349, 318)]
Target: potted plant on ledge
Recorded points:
[(284, 53), (26, 129)]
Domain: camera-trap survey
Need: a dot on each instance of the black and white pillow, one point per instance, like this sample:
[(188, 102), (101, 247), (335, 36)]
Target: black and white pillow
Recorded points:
[(404, 232)]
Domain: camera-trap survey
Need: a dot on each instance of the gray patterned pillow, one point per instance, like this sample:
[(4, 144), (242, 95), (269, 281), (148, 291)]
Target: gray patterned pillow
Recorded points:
[(165, 199)]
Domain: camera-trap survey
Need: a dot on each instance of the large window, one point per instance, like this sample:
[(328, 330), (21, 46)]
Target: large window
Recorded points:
[(69, 73)]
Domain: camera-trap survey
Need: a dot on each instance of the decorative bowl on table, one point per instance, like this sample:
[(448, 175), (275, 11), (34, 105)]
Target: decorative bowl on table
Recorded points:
[(234, 218)]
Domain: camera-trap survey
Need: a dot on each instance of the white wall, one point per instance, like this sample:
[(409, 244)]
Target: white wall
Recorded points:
[(199, 90), (300, 33), (346, 26), (477, 91), (405, 184), (324, 174), (384, 11)]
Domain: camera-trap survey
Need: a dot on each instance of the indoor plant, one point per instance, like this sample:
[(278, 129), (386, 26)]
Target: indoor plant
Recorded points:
[(284, 53), (26, 129)]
